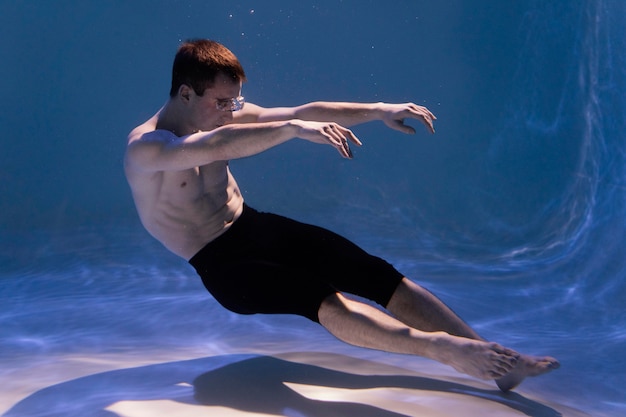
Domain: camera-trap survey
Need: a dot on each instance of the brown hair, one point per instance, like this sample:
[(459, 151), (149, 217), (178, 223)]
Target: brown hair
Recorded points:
[(198, 61)]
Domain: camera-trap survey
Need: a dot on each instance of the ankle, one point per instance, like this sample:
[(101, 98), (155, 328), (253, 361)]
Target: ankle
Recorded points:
[(439, 348)]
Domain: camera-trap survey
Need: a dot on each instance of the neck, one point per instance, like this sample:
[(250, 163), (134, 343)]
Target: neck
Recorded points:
[(172, 118)]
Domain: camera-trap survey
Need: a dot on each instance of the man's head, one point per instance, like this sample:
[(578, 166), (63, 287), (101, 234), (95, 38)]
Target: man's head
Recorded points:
[(199, 61)]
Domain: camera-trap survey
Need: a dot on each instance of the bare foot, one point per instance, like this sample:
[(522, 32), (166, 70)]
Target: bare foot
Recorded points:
[(526, 366), (484, 360)]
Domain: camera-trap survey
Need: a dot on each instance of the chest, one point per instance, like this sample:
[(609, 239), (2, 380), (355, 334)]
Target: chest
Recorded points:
[(197, 181)]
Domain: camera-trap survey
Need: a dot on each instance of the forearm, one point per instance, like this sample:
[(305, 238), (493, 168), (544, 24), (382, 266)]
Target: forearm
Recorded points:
[(243, 140), (350, 114), (343, 113)]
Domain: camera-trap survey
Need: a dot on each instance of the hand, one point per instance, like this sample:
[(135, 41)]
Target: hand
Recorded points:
[(328, 133), (394, 115)]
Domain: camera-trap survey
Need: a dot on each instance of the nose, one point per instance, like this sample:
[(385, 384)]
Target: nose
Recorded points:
[(227, 117)]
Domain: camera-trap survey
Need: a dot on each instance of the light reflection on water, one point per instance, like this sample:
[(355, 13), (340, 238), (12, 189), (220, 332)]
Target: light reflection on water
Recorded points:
[(106, 291)]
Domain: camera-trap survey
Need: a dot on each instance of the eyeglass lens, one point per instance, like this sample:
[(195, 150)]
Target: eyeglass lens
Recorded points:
[(230, 104)]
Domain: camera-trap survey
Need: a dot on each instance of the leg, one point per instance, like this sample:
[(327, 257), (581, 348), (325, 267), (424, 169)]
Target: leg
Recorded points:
[(362, 325), (417, 307), (420, 309)]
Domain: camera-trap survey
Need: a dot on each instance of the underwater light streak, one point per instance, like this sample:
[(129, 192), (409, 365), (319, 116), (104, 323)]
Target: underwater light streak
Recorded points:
[(571, 220)]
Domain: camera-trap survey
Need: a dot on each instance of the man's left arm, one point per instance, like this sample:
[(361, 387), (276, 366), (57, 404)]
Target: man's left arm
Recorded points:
[(345, 114)]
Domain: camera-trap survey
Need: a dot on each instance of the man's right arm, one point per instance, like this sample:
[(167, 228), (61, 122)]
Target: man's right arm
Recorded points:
[(153, 150)]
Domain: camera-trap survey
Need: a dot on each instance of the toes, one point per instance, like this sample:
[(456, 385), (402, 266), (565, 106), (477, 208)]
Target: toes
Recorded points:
[(546, 363), (552, 363), (549, 364)]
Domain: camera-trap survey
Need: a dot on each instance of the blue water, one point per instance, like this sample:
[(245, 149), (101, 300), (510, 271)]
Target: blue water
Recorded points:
[(514, 211)]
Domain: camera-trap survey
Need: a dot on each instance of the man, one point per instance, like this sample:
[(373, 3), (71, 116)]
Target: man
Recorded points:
[(177, 167)]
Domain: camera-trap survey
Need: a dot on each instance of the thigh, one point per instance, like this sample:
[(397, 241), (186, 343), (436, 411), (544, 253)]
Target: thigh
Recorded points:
[(261, 286), (330, 258)]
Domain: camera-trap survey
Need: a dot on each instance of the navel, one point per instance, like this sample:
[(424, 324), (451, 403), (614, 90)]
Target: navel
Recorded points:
[(184, 184)]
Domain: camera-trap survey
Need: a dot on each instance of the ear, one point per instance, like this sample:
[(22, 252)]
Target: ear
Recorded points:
[(185, 92)]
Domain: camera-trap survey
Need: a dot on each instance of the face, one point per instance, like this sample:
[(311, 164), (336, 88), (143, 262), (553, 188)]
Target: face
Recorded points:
[(205, 114)]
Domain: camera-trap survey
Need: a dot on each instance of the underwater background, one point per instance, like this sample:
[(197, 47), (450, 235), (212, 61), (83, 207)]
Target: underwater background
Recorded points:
[(514, 212)]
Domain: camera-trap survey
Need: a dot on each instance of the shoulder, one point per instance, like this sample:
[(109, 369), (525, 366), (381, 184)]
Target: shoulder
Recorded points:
[(144, 142), (148, 136), (147, 131)]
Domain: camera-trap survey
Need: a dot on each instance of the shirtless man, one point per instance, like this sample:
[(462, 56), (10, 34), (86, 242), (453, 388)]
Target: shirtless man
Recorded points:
[(177, 166)]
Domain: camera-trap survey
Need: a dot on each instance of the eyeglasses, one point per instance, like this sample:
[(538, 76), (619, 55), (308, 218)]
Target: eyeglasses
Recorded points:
[(230, 104)]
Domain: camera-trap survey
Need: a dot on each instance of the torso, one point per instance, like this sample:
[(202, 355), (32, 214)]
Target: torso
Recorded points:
[(185, 210)]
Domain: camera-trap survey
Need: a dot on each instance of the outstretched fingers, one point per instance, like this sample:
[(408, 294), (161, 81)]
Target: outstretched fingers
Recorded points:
[(340, 137), (424, 115), (397, 113)]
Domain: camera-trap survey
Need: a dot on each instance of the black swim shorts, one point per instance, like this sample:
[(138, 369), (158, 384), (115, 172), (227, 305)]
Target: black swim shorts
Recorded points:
[(270, 264)]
